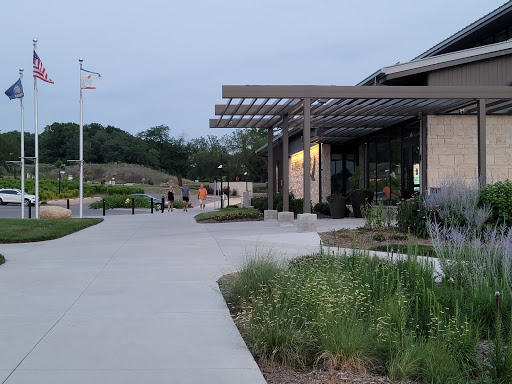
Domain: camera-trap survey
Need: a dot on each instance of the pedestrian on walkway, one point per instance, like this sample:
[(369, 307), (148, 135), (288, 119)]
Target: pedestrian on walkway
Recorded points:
[(170, 198), (201, 195), (185, 190)]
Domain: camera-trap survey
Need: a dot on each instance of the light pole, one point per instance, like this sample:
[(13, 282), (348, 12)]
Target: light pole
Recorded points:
[(221, 191), (245, 177), (61, 174)]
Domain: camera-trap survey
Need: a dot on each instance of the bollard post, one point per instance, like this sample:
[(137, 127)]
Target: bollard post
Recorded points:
[(163, 202), (103, 207), (30, 211), (67, 205), (133, 205), (151, 205)]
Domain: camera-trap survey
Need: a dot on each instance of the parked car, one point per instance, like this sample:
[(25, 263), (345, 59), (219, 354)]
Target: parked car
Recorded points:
[(13, 196), (157, 202)]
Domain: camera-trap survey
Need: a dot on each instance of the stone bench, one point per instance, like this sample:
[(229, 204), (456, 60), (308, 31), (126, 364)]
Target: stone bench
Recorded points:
[(54, 212)]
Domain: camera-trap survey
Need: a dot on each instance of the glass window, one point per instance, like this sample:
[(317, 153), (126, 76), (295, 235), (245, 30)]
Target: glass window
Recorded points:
[(395, 176), (336, 172), (382, 187)]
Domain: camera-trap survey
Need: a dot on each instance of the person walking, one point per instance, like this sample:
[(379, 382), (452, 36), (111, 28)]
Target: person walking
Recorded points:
[(185, 190), (201, 195), (170, 198)]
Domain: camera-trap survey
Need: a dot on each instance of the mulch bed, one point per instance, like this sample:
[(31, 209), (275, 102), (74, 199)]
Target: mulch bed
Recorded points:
[(281, 375), (366, 238)]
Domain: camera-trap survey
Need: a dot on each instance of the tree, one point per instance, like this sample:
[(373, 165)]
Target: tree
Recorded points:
[(241, 146)]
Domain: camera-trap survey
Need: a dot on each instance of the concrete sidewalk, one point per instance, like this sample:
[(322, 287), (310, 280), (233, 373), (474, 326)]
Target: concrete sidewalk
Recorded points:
[(133, 300)]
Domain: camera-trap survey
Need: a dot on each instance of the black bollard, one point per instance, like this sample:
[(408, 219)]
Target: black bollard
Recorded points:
[(67, 205), (163, 202), (103, 207), (133, 205), (151, 205), (30, 211)]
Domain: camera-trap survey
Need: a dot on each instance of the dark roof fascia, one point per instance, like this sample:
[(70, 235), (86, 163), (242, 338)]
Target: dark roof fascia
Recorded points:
[(448, 64), (483, 21)]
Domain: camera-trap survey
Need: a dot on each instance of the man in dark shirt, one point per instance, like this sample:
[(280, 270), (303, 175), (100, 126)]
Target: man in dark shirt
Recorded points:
[(185, 190)]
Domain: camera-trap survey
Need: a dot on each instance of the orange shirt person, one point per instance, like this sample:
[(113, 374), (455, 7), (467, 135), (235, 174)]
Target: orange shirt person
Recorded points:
[(201, 195), (386, 191)]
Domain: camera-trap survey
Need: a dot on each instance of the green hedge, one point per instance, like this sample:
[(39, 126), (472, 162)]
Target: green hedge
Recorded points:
[(499, 197), (69, 189), (125, 201), (261, 203)]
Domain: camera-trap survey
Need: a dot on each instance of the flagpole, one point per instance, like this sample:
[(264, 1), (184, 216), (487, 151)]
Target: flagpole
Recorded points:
[(36, 154), (81, 162), (22, 154)]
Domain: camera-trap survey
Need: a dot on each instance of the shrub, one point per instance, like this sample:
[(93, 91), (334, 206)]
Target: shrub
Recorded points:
[(120, 190), (234, 192), (376, 216), (456, 205), (2, 259), (254, 276), (322, 207), (499, 197), (209, 189), (296, 205), (412, 216)]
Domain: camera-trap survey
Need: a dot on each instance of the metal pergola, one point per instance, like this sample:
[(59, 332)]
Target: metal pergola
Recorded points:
[(342, 113)]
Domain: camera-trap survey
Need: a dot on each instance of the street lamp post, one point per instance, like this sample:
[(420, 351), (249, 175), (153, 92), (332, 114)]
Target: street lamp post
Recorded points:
[(221, 167), (221, 191)]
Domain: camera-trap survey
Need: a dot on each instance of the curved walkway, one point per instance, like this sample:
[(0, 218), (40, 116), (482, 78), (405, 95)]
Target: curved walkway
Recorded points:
[(133, 300)]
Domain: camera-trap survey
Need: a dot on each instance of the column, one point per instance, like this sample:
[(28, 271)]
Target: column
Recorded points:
[(270, 170), (482, 133), (286, 167)]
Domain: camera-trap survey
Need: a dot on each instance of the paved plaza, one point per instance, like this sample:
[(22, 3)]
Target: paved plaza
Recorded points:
[(134, 300)]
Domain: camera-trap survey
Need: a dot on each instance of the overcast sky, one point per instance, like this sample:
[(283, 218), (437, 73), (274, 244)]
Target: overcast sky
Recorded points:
[(164, 61)]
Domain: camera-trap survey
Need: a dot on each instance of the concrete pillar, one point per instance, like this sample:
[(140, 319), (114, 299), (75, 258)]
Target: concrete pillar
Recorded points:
[(286, 167)]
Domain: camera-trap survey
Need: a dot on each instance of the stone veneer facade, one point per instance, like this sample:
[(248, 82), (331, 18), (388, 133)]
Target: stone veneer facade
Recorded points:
[(297, 173), (452, 148)]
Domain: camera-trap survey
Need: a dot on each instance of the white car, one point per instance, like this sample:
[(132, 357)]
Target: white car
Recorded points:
[(13, 196)]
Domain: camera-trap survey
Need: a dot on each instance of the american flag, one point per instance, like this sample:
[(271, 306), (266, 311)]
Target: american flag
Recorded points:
[(39, 70)]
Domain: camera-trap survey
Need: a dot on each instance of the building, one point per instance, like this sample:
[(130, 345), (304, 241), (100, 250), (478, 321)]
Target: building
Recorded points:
[(447, 113)]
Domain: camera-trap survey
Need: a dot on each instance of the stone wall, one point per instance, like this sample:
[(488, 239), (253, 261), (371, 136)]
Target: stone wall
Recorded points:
[(297, 173), (452, 148)]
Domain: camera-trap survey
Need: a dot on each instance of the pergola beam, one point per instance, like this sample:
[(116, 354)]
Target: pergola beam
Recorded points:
[(355, 92)]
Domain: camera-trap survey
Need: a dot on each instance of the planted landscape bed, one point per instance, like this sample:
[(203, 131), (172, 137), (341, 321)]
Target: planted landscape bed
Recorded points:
[(361, 314), (229, 214)]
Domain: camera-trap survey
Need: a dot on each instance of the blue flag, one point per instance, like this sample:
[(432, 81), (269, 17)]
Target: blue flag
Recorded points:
[(16, 91)]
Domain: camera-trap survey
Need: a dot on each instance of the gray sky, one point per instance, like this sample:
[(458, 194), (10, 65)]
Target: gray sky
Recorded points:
[(164, 61)]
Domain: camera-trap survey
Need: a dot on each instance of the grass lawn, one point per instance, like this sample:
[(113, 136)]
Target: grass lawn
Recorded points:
[(25, 231), (229, 214)]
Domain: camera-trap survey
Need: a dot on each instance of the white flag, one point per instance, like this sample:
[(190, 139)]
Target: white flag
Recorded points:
[(88, 79)]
